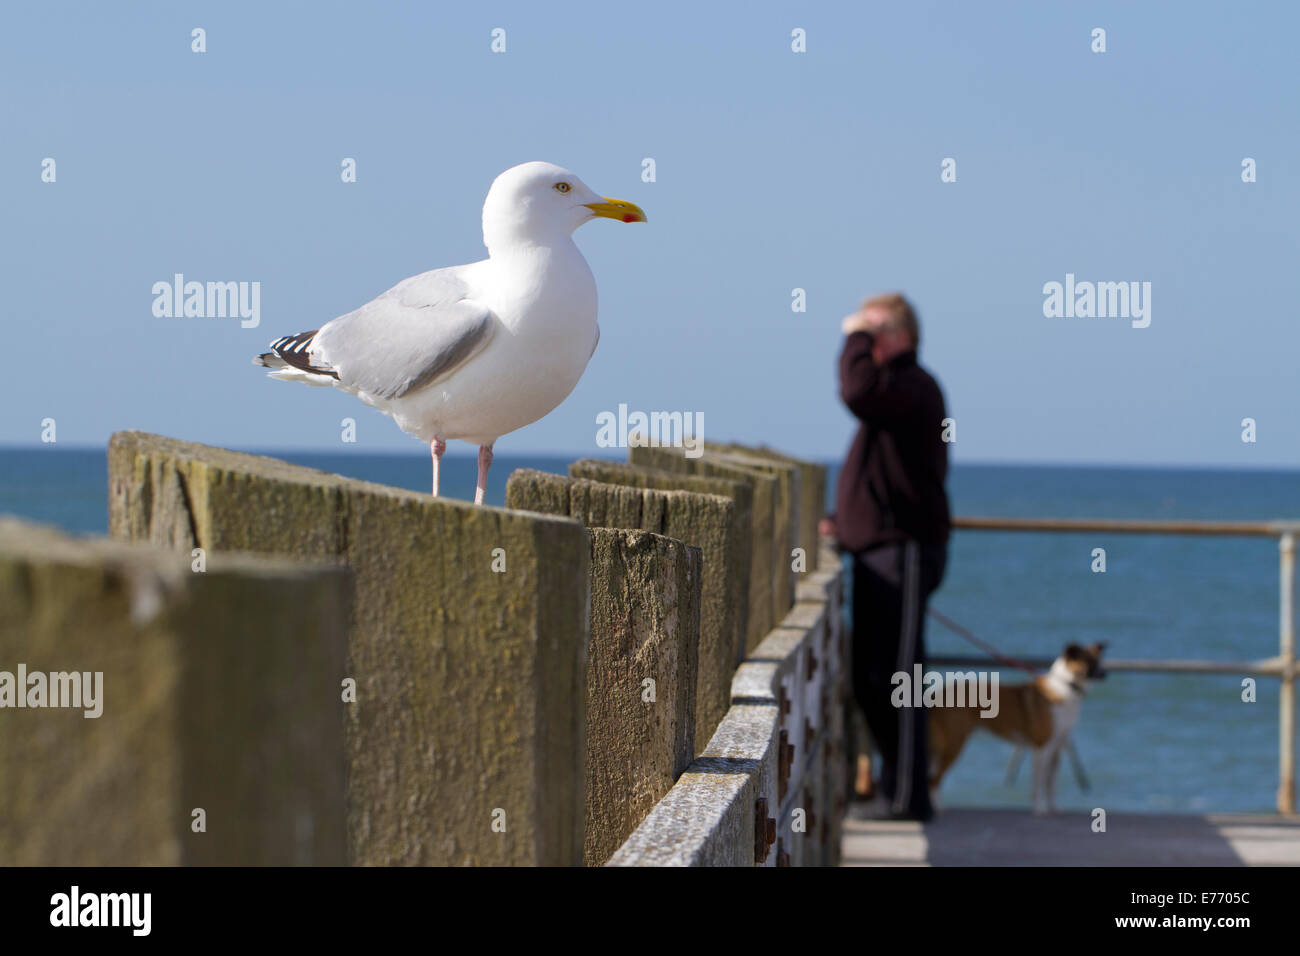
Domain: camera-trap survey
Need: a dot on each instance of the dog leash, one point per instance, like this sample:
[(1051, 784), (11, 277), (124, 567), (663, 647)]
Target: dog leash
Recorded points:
[(982, 645)]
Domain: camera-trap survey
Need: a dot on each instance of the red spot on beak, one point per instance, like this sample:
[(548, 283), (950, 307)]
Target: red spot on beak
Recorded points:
[(628, 217)]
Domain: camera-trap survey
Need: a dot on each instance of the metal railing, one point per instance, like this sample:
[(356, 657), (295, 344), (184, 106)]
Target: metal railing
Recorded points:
[(1283, 666)]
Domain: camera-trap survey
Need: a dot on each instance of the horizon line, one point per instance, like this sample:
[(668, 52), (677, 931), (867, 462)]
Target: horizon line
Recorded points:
[(978, 463)]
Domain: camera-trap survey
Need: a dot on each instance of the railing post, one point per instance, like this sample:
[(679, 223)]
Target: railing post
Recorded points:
[(1286, 706)]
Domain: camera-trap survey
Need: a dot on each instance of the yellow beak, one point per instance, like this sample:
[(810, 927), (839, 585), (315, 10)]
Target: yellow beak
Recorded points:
[(619, 209)]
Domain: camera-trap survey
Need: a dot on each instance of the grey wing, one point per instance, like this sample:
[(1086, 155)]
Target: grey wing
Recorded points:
[(417, 332)]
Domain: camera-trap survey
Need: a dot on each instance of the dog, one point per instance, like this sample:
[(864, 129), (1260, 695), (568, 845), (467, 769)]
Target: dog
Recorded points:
[(1039, 715)]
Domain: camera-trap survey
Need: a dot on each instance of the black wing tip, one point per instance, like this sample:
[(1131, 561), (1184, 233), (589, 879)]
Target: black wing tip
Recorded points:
[(290, 351)]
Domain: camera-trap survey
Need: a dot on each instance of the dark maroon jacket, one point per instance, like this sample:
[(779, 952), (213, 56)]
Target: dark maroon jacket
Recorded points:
[(891, 487)]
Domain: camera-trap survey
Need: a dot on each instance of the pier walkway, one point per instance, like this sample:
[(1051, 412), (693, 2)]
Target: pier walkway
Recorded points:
[(1014, 837)]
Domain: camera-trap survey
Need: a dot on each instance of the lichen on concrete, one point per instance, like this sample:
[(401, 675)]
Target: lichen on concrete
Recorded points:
[(467, 641), (210, 699), (763, 486), (641, 675), (702, 520), (726, 561), (812, 496)]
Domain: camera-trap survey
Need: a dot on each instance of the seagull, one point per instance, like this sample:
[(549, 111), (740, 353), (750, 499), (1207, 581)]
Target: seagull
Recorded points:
[(474, 352)]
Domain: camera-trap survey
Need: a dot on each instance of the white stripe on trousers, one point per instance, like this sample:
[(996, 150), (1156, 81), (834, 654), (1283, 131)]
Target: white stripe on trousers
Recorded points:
[(911, 586)]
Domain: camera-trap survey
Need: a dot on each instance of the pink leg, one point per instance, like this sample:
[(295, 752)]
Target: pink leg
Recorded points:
[(484, 463), (436, 448)]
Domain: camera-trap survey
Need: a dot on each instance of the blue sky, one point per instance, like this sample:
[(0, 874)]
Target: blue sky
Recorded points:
[(775, 171)]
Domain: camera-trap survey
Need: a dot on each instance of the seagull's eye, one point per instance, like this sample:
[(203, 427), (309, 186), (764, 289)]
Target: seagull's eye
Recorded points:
[(562, 187)]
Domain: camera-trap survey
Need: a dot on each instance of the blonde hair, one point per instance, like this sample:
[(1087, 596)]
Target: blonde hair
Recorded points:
[(901, 313)]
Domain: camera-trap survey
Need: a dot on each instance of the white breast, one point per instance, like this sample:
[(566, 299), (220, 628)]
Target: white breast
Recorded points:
[(545, 301)]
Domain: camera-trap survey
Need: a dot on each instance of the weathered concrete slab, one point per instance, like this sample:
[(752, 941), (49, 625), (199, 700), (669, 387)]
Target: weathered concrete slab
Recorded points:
[(708, 817), (701, 520), (467, 642), (812, 495), (726, 564), (220, 692), (790, 671), (814, 585), (762, 599), (641, 675), (776, 759), (785, 516), (827, 585)]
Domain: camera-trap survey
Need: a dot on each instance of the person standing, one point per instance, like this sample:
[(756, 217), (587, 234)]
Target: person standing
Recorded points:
[(892, 516)]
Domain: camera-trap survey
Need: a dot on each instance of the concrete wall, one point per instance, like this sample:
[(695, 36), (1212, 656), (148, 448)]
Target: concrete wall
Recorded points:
[(785, 515), (220, 692), (812, 495), (726, 563), (769, 788), (467, 641), (528, 690), (767, 580), (706, 521)]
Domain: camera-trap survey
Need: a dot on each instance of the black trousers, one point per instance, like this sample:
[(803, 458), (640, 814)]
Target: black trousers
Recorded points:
[(891, 585)]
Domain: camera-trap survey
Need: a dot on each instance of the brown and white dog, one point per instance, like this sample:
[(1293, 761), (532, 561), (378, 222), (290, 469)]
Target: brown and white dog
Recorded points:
[(1039, 715)]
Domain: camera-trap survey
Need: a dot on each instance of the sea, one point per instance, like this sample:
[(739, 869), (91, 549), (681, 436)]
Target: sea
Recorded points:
[(1146, 742)]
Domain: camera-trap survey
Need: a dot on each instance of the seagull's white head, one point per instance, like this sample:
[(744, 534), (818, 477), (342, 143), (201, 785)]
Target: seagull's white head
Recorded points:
[(541, 202)]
